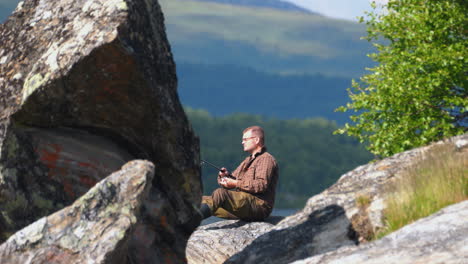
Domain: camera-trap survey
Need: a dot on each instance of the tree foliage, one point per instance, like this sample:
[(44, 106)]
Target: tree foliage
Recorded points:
[(418, 91), (310, 158)]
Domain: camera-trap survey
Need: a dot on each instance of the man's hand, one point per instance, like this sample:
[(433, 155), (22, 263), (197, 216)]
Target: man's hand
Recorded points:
[(227, 182), (224, 180), (223, 173)]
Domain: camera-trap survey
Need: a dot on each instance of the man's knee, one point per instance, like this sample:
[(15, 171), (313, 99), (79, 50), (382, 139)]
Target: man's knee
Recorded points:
[(220, 191), (219, 194)]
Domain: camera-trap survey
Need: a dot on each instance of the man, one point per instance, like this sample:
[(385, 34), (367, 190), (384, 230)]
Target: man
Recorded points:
[(250, 193)]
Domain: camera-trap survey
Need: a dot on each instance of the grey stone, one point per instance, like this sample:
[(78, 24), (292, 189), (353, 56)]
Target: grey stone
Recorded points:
[(86, 86), (96, 228), (439, 238)]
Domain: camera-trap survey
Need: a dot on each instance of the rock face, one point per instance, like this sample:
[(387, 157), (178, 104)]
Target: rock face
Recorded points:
[(344, 215), (225, 238), (260, 242), (440, 238), (97, 228), (85, 86)]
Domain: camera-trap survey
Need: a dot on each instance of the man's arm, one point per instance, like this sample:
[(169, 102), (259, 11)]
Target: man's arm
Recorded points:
[(228, 183)]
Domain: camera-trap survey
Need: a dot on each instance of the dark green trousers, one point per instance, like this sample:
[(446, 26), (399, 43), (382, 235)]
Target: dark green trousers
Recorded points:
[(237, 205)]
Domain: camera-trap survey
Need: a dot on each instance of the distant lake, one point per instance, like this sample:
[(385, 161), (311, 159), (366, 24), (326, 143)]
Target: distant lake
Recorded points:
[(276, 212)]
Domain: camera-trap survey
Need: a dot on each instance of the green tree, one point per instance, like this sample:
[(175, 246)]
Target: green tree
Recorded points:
[(418, 91)]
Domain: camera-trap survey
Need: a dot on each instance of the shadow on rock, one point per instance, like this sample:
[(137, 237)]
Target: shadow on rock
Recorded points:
[(317, 234), (229, 224)]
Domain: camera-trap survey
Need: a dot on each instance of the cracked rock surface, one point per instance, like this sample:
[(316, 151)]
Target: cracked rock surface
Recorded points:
[(86, 86), (96, 228), (439, 238)]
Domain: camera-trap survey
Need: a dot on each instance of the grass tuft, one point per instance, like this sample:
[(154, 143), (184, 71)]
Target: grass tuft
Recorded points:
[(439, 180), (363, 201)]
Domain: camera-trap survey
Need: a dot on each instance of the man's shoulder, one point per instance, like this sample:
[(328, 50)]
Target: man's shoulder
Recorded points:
[(268, 156)]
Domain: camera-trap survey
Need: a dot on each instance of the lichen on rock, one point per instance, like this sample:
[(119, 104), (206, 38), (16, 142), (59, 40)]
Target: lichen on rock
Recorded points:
[(94, 229), (86, 86)]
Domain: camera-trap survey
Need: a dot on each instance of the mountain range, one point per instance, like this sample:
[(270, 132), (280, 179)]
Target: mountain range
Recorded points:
[(278, 4), (265, 39), (263, 60)]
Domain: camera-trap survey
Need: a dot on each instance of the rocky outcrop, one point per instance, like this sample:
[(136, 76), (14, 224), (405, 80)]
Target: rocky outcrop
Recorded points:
[(216, 242), (234, 241), (85, 86), (97, 228), (346, 214), (261, 242), (439, 238)]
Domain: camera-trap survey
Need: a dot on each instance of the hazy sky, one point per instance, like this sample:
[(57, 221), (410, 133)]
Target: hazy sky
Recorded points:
[(344, 9)]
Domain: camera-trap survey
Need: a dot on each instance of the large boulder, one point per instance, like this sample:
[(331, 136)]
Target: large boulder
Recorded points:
[(344, 215), (85, 86), (97, 228), (260, 242), (439, 238)]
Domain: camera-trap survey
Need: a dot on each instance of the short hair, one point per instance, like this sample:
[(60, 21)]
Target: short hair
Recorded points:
[(257, 131)]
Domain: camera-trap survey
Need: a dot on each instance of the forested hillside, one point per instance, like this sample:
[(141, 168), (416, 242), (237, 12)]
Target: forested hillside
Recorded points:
[(309, 157), (278, 4), (228, 89), (265, 39), (265, 61)]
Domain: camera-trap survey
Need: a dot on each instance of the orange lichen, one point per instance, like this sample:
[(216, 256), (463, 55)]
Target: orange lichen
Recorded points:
[(88, 181), (163, 221), (61, 256), (68, 188), (50, 154), (87, 165)]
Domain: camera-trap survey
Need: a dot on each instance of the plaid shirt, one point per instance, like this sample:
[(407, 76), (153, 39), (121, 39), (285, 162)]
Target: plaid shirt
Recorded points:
[(258, 176)]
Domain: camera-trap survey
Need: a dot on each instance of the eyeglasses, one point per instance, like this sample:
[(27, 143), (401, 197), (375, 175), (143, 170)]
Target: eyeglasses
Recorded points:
[(246, 139)]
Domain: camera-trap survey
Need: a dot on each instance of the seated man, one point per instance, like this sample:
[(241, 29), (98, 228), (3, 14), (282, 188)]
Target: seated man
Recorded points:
[(249, 193)]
